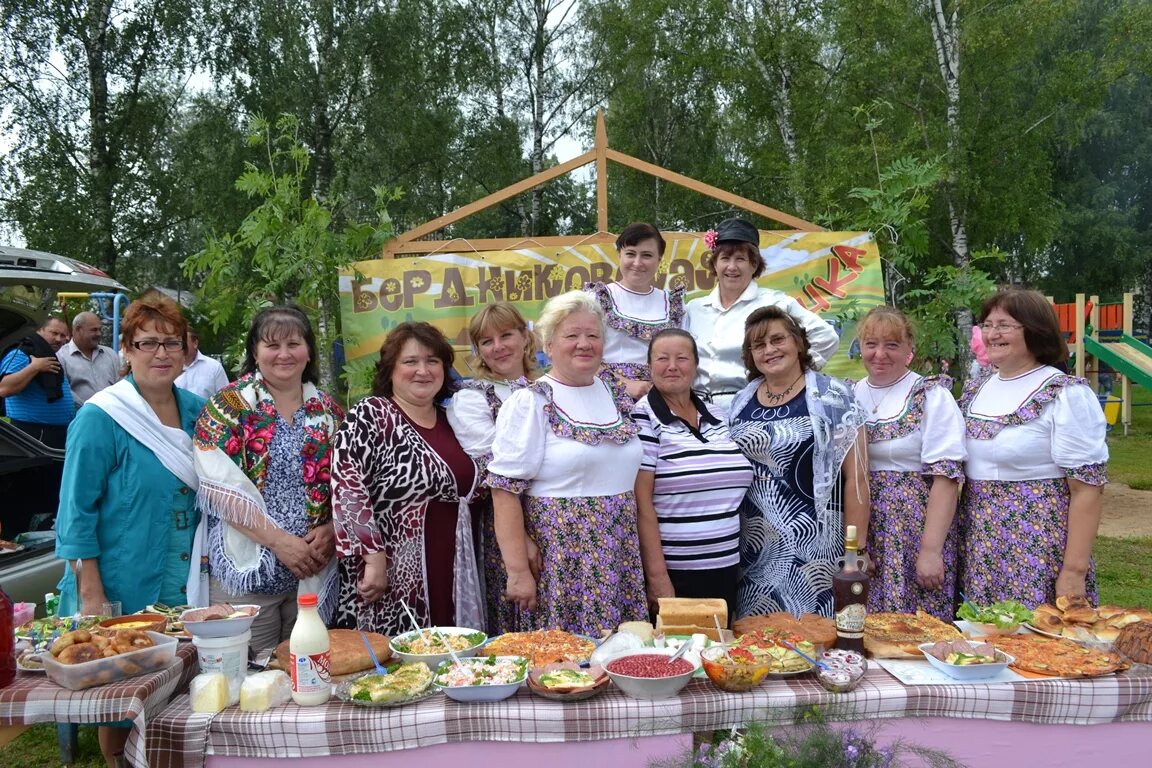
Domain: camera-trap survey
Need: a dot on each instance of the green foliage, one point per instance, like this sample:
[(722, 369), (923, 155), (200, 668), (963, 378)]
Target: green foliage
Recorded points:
[(287, 249)]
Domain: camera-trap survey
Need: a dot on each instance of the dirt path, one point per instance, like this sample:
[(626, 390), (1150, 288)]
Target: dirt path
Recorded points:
[(1127, 513)]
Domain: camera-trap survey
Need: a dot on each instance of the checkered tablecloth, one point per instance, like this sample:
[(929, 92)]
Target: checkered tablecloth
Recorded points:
[(33, 698), (179, 737)]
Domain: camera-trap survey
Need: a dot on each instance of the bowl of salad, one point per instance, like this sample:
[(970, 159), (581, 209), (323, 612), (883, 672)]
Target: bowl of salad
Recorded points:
[(427, 646), (966, 660), (1002, 618), (482, 678)]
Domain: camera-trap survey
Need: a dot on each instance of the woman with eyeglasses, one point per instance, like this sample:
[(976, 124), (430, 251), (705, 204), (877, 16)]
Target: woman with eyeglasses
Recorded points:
[(801, 431), (263, 454), (717, 320), (127, 510), (1037, 462), (915, 462), (635, 309)]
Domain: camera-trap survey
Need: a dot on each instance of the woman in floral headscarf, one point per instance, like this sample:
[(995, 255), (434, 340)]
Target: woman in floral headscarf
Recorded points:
[(263, 458)]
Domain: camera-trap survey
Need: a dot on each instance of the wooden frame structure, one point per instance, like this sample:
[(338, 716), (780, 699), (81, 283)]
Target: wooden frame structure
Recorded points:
[(600, 154)]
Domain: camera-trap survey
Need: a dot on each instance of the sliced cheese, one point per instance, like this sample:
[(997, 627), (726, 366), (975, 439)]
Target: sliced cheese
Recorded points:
[(209, 692)]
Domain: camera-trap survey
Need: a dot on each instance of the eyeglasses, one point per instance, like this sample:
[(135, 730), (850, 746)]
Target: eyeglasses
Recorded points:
[(1000, 327), (151, 345)]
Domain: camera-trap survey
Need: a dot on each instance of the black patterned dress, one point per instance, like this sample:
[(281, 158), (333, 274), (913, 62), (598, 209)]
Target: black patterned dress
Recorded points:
[(786, 562)]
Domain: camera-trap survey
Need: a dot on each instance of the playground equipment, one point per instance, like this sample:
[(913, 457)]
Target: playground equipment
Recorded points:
[(1130, 358), (109, 308)]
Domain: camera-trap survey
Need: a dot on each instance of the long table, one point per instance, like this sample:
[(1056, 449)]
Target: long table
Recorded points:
[(527, 729), (33, 698)]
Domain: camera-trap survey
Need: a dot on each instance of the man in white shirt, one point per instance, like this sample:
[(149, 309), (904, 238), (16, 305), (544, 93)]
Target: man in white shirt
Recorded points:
[(202, 374), (717, 319), (89, 365)]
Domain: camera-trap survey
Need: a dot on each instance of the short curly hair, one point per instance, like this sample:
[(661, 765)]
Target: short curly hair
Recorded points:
[(428, 336), (756, 328), (159, 310)]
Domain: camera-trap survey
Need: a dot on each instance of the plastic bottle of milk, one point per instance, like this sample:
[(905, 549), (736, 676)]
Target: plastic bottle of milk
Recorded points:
[(310, 656)]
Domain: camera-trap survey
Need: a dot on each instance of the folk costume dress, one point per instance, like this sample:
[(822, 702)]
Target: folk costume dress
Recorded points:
[(404, 489), (631, 319), (256, 464), (472, 413), (1025, 436), (915, 433), (792, 520), (573, 456)]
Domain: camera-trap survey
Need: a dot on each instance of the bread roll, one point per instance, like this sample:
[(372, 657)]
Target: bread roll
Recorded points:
[(348, 652)]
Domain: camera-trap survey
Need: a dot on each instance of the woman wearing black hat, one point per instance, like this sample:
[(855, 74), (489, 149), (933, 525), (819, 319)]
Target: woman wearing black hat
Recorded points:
[(717, 320)]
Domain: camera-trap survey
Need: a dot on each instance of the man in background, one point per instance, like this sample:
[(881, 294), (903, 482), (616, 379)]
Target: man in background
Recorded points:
[(36, 394), (202, 374), (89, 365)]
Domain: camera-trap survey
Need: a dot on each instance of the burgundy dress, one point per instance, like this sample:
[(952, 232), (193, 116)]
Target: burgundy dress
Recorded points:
[(440, 522)]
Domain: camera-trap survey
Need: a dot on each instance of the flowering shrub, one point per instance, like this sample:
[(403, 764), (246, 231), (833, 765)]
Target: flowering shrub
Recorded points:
[(810, 743)]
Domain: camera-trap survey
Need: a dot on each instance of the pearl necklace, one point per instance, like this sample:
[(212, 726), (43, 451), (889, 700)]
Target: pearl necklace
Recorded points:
[(775, 398), (888, 387)]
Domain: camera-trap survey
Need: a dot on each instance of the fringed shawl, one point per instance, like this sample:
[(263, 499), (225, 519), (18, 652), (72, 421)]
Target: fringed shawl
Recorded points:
[(233, 439)]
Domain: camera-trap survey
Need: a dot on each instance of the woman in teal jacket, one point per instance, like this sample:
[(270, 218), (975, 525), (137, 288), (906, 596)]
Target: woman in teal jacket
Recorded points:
[(128, 496)]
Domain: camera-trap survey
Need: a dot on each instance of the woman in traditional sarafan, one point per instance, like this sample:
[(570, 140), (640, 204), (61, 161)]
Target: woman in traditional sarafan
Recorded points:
[(263, 455), (1037, 462), (564, 463), (915, 461), (504, 358), (635, 309)]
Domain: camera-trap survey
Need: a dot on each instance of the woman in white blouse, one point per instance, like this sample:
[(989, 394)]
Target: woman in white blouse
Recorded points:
[(915, 462), (504, 358), (564, 444), (717, 320), (1037, 462), (635, 309)]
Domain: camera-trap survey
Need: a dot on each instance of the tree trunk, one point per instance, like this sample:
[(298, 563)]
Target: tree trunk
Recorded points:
[(946, 38), (101, 156), (536, 85)]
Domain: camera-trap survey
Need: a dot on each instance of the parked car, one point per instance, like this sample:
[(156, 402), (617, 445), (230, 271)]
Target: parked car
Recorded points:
[(29, 470)]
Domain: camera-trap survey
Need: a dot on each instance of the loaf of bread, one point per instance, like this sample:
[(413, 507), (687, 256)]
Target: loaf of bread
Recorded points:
[(1135, 642), (348, 652), (687, 630), (693, 612)]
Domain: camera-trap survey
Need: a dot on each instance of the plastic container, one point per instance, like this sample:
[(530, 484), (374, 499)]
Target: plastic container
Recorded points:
[(969, 671), (226, 655), (22, 613), (309, 654), (733, 674), (77, 677)]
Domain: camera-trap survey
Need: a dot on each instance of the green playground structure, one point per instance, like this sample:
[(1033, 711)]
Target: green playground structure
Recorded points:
[(1128, 356)]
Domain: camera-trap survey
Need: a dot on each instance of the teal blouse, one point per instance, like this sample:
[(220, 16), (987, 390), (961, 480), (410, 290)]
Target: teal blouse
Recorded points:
[(120, 505)]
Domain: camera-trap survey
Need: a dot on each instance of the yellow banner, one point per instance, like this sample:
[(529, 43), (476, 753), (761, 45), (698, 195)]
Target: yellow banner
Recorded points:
[(836, 274)]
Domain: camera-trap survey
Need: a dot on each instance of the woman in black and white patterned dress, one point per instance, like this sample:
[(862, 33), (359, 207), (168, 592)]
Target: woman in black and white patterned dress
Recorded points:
[(801, 431)]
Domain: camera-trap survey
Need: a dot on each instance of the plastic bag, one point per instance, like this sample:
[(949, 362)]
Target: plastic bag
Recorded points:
[(617, 643), (264, 690)]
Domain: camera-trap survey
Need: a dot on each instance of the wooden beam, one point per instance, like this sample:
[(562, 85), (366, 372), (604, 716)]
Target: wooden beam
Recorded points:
[(601, 149), (469, 245), (713, 192), (1094, 321), (488, 201), (1078, 346)]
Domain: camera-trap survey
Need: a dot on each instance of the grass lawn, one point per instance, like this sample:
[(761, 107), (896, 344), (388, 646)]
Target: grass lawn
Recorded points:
[(1122, 571)]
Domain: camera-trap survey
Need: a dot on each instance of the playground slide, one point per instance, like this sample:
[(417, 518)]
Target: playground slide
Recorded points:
[(1127, 356)]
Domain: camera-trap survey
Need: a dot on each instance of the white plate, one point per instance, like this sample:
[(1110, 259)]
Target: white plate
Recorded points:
[(1099, 645), (920, 672), (967, 628)]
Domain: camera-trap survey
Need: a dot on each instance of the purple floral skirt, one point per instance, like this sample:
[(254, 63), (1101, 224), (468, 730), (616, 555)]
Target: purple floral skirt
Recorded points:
[(899, 501), (1012, 537), (592, 579)]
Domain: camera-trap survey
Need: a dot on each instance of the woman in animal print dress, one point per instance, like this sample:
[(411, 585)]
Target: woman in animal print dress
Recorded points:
[(400, 490)]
